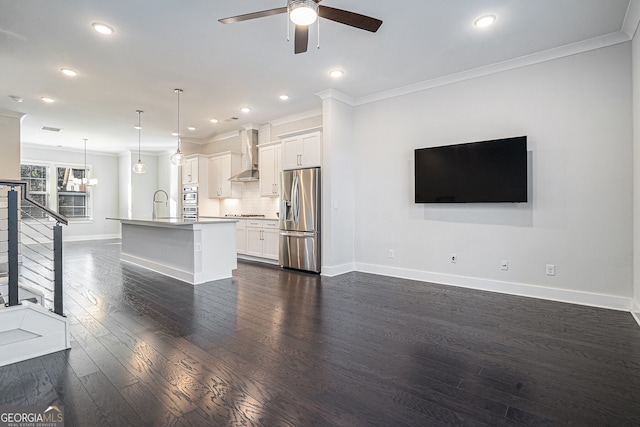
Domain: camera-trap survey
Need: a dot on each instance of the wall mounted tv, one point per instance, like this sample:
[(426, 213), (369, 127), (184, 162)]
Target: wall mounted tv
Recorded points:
[(477, 172)]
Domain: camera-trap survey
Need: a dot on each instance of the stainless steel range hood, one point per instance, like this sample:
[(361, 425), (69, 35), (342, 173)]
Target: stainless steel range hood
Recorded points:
[(249, 139)]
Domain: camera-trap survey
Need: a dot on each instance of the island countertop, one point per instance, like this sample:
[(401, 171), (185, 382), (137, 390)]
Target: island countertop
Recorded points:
[(160, 222)]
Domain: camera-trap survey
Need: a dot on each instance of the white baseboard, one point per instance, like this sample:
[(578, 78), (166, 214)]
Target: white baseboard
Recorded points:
[(635, 311), (554, 294), (66, 238), (336, 270)]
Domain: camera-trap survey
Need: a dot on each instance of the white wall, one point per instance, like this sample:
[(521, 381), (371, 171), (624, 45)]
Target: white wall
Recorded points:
[(10, 143), (636, 177), (105, 194), (337, 185), (576, 113)]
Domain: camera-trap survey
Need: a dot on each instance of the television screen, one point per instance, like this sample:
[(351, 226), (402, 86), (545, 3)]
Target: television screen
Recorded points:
[(477, 172)]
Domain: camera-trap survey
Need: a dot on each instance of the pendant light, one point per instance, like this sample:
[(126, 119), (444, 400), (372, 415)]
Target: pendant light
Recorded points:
[(177, 158), (139, 167)]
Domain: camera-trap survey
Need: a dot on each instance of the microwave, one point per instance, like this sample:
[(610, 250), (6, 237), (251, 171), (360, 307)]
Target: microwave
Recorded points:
[(190, 198)]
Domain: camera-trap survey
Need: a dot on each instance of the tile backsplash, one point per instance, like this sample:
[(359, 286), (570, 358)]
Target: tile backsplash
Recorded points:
[(250, 203)]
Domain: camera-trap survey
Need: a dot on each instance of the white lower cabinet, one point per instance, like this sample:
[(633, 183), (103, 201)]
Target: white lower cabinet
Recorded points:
[(241, 233), (262, 238)]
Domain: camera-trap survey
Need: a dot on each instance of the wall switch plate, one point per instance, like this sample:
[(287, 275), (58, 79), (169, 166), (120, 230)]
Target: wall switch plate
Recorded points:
[(504, 265), (391, 253), (551, 270), (198, 247), (453, 258)]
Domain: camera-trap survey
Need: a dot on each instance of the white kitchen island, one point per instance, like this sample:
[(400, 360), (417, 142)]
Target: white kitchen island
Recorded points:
[(192, 251)]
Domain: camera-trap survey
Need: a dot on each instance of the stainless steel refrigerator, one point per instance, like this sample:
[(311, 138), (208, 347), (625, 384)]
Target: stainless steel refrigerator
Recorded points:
[(300, 219)]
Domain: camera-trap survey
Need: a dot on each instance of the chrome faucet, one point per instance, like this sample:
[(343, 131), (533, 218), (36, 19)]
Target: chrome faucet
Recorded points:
[(154, 215)]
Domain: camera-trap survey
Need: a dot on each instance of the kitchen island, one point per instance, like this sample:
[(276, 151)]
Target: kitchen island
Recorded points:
[(192, 251)]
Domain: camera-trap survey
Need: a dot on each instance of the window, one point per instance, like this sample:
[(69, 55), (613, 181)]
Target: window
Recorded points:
[(72, 193), (70, 196), (36, 177)]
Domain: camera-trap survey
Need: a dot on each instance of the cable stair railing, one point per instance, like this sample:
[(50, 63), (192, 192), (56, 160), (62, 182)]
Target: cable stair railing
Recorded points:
[(30, 250)]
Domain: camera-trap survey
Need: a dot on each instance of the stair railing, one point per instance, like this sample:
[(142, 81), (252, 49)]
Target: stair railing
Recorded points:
[(33, 247)]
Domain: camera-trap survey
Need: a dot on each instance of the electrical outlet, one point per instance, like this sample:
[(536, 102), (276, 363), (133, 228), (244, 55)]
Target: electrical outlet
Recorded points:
[(504, 265), (198, 247), (551, 270), (454, 258), (391, 253)]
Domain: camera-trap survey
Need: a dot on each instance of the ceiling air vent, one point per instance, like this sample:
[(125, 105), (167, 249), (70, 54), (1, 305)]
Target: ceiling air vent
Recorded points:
[(50, 129), (230, 119)]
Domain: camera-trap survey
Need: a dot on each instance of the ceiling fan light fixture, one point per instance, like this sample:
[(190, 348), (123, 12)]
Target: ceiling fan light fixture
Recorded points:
[(303, 12)]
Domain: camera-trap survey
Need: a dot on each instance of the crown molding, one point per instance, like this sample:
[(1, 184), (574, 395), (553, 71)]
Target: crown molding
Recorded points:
[(12, 114), (523, 61), (336, 94), (296, 117)]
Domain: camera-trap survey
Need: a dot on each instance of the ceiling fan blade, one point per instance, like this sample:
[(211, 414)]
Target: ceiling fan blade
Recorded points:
[(253, 15), (301, 39), (349, 18)]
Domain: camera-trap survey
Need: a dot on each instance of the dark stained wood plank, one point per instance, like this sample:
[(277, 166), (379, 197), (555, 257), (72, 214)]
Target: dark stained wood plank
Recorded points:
[(279, 347)]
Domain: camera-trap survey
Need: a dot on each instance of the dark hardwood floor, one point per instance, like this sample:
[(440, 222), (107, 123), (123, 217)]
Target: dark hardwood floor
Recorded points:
[(279, 348)]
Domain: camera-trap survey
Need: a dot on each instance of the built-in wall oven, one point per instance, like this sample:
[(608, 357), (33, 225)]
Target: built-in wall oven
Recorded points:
[(190, 203)]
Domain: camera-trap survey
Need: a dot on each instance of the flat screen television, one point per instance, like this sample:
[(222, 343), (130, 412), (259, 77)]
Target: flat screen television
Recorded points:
[(477, 172)]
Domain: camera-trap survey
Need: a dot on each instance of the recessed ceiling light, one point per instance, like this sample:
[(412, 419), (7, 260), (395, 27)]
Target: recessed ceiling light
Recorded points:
[(336, 74), (137, 127), (284, 97), (47, 99), (484, 21), (174, 133), (16, 98), (245, 109), (191, 128), (105, 29), (214, 120), (69, 72)]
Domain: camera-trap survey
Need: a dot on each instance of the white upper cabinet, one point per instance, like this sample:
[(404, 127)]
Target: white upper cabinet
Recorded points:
[(270, 168), (302, 151), (190, 171), (221, 168)]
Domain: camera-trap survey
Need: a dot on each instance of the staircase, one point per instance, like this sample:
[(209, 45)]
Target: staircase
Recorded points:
[(32, 321)]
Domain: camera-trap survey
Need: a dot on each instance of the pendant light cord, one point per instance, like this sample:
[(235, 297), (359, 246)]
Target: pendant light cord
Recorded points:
[(178, 131), (139, 130), (85, 161)]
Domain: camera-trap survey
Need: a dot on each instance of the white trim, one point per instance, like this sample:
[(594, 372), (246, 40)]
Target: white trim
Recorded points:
[(72, 150), (300, 132), (224, 136), (335, 270), (336, 94), (523, 61), (12, 114), (554, 294), (83, 238), (635, 311), (631, 19), (296, 117)]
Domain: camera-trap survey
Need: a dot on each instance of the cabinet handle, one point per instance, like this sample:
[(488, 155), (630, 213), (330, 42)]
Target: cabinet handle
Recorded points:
[(261, 234)]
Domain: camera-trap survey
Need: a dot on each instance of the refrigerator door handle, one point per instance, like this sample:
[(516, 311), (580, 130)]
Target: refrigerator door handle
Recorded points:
[(301, 234), (295, 198)]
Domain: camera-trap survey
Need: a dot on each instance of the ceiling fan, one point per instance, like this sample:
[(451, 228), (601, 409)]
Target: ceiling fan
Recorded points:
[(304, 13)]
